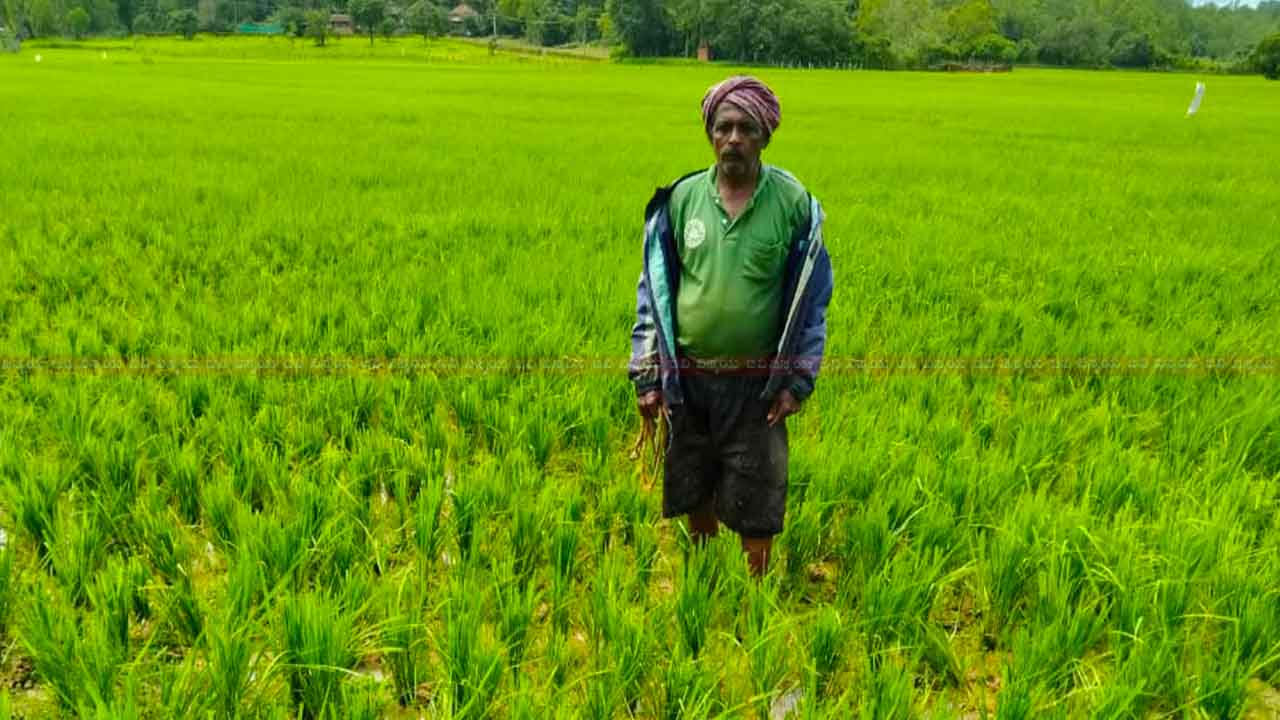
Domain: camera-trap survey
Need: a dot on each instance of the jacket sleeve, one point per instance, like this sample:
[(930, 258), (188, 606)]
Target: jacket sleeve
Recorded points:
[(812, 339), (643, 366)]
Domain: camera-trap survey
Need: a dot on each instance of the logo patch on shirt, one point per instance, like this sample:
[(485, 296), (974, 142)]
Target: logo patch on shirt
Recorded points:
[(694, 233)]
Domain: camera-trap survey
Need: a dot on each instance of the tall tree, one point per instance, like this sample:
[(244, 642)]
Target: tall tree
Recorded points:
[(643, 26), (368, 14)]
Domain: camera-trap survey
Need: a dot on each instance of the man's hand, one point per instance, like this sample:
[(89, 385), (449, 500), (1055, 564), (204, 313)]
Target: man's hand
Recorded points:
[(650, 405), (783, 405)]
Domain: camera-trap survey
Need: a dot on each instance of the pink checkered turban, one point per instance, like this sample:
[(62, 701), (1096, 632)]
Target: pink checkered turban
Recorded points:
[(754, 97)]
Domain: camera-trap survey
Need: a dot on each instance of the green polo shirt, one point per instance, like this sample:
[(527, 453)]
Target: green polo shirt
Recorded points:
[(729, 302)]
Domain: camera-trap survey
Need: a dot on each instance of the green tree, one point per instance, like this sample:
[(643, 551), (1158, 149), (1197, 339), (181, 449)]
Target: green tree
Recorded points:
[(1267, 57), (642, 26), (428, 20), (970, 20), (368, 13), (907, 28), (292, 18), (78, 22), (184, 22), (318, 26), (993, 48)]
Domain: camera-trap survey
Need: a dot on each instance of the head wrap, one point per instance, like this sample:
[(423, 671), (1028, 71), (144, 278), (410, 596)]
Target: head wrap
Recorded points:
[(754, 97)]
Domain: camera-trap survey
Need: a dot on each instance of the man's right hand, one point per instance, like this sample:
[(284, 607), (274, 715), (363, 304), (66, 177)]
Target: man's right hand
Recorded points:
[(650, 404)]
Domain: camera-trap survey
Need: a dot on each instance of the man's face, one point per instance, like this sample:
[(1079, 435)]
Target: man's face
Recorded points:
[(737, 139)]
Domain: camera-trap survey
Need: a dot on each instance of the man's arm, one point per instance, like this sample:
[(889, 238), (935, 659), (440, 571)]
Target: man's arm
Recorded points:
[(812, 332), (643, 367)]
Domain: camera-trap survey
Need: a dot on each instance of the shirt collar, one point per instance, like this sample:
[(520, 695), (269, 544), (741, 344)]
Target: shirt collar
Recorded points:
[(761, 182)]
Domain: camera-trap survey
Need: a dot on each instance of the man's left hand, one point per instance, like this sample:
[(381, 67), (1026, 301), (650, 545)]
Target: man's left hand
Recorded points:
[(783, 405)]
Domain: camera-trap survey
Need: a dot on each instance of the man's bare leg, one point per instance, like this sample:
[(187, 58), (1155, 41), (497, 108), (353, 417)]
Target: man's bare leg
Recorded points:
[(703, 523), (757, 550)]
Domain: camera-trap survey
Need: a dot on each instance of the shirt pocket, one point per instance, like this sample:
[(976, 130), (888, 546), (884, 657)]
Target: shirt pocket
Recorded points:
[(762, 258)]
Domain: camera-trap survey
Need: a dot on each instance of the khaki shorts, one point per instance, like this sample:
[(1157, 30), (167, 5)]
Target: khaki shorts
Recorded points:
[(722, 450)]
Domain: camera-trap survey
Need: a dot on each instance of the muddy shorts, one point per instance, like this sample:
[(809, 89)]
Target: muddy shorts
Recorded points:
[(722, 450)]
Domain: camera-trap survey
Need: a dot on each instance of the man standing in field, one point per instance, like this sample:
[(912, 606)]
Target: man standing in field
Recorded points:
[(730, 322)]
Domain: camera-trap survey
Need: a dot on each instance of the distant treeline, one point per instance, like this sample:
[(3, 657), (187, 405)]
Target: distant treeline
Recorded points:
[(866, 33), (922, 33)]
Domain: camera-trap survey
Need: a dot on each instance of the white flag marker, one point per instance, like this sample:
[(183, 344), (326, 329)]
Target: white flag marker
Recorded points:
[(38, 58), (1195, 101)]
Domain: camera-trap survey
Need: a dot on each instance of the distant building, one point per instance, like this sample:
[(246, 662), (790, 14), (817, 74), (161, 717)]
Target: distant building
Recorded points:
[(704, 52), (459, 16), (341, 24)]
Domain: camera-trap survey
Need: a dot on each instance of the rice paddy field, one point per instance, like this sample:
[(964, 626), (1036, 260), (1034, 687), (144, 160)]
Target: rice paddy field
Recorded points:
[(313, 401)]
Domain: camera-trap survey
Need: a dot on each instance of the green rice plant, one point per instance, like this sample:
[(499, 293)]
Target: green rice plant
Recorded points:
[(112, 598), (1016, 701), (687, 691), (279, 545), (468, 501), (897, 600), (1067, 626), (120, 706), (695, 599), (564, 548), (869, 542), (886, 692), (238, 674), (646, 558), (320, 644), (222, 509), (632, 652), (184, 613), (827, 640), (603, 694), (558, 659), (802, 540), (313, 506), (8, 588), (54, 646), (101, 657), (527, 541), (111, 470), (729, 571), (935, 651), (6, 709), (35, 502), (362, 704), (180, 473), (256, 470), (1006, 565), (760, 608), (605, 601), (1222, 691), (768, 656), (184, 688), (165, 548), (246, 585), (472, 663), (77, 551), (1254, 632), (762, 634), (404, 638), (517, 603)]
